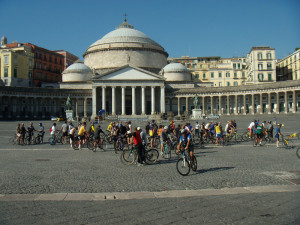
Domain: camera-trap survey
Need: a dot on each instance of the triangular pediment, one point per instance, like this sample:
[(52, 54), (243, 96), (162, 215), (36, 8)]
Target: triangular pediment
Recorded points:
[(128, 73)]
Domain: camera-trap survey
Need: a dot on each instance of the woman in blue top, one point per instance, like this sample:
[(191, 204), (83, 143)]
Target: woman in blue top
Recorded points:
[(277, 134)]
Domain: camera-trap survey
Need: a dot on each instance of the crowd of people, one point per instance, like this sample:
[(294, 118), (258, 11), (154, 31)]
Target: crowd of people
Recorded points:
[(139, 137)]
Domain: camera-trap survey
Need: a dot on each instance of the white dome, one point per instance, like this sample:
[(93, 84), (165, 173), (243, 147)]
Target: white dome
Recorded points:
[(175, 67), (77, 72), (176, 72), (122, 46)]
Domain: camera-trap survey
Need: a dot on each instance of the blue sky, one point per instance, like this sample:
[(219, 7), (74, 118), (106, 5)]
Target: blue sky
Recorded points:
[(192, 27)]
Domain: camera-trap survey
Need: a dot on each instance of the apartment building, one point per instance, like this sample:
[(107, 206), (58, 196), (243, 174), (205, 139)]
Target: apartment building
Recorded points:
[(289, 67)]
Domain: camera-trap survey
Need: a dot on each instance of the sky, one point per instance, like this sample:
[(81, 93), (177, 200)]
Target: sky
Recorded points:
[(197, 28)]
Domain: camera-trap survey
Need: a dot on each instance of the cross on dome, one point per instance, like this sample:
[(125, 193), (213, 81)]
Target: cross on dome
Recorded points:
[(125, 15)]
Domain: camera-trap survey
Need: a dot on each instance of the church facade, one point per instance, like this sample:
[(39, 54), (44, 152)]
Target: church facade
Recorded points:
[(126, 73)]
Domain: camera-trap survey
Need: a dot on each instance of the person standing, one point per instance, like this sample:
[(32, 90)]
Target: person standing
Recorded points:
[(136, 139), (278, 134), (64, 129), (42, 132), (52, 133), (197, 126), (81, 134)]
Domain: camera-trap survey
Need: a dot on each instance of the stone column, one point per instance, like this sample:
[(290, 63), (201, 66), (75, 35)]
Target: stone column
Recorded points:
[(261, 103), (133, 100), (152, 100), (85, 107), (286, 102), (162, 100), (123, 100), (253, 105), (143, 101), (220, 105), (294, 102), (269, 103), (203, 104), (228, 105), (104, 98), (94, 106), (212, 105), (277, 103), (236, 105), (245, 106), (113, 100), (178, 106), (186, 104), (94, 103)]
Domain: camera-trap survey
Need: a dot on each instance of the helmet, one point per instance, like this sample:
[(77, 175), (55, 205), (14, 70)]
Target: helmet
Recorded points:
[(183, 131), (40, 124), (166, 127), (138, 128)]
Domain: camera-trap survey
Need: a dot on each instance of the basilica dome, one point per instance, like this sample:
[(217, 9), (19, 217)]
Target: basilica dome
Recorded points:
[(125, 45), (77, 72), (176, 72)]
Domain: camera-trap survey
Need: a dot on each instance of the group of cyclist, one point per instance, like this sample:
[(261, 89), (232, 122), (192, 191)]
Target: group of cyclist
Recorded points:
[(26, 136)]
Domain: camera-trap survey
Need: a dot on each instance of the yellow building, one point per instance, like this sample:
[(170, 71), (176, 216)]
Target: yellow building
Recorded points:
[(289, 67), (16, 64), (215, 71)]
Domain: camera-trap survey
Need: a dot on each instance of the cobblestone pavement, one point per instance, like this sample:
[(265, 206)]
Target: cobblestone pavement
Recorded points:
[(41, 169), (262, 208)]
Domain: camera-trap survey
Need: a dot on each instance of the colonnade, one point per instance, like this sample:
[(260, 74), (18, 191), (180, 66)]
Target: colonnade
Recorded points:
[(111, 101), (238, 103)]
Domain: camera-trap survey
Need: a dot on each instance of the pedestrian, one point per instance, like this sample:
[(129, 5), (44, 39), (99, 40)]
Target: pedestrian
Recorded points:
[(52, 133), (197, 126), (278, 134), (137, 141)]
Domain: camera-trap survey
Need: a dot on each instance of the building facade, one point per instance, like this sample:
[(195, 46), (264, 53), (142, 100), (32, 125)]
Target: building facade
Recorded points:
[(48, 66), (69, 58), (261, 65), (16, 65), (289, 67)]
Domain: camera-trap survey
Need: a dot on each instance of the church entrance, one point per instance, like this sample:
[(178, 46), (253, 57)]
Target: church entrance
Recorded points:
[(128, 106)]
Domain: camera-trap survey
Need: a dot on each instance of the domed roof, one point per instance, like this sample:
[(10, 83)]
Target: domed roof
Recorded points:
[(175, 67), (78, 67), (125, 33)]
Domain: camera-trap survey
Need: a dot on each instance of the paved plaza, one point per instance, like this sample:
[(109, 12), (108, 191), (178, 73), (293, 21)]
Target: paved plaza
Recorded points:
[(235, 184)]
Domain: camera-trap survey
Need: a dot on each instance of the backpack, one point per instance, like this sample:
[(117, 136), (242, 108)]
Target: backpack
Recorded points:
[(50, 129)]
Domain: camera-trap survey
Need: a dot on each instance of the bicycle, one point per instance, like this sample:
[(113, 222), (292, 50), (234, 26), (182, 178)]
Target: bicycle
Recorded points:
[(261, 143), (234, 136), (56, 138), (166, 150), (185, 163), (16, 140), (128, 157), (286, 143), (39, 138), (93, 144), (222, 140)]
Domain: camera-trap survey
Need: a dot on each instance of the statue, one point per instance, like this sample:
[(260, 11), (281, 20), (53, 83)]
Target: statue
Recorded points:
[(196, 101), (69, 103)]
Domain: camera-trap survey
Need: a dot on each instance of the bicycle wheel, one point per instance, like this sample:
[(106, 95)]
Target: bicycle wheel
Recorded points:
[(90, 145), (117, 147), (76, 144), (287, 143), (167, 152), (129, 157), (298, 152), (38, 140), (151, 156), (254, 142), (12, 140), (194, 163), (183, 166), (263, 141)]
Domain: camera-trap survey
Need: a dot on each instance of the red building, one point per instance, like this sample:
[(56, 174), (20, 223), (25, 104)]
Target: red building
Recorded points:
[(68, 57), (48, 66)]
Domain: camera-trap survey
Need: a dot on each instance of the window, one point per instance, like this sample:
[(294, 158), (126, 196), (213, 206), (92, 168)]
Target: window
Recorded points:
[(204, 76), (51, 77), (5, 71), (46, 77), (220, 74), (30, 63), (259, 55), (55, 60), (227, 74), (260, 66), (234, 65), (243, 74), (6, 59), (15, 72), (239, 66), (269, 56), (194, 66), (235, 83), (30, 75), (200, 66), (45, 58), (50, 58), (260, 77), (40, 56), (228, 83), (220, 84), (269, 77), (15, 60), (45, 66), (212, 75), (235, 75), (197, 75), (269, 66)]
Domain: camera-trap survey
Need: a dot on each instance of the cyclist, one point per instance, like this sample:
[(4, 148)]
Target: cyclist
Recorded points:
[(97, 133), (72, 134), (30, 130), (41, 132), (163, 139), (259, 134), (18, 132), (23, 132), (218, 130), (197, 128), (186, 138), (136, 139), (251, 127), (81, 134), (65, 130), (278, 134)]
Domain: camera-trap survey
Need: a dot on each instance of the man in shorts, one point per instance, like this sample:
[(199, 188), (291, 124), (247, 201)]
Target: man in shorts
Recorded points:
[(65, 130), (259, 134), (278, 134)]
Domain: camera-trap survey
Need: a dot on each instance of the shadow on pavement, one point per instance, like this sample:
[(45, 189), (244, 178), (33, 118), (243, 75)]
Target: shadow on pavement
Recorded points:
[(213, 169)]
